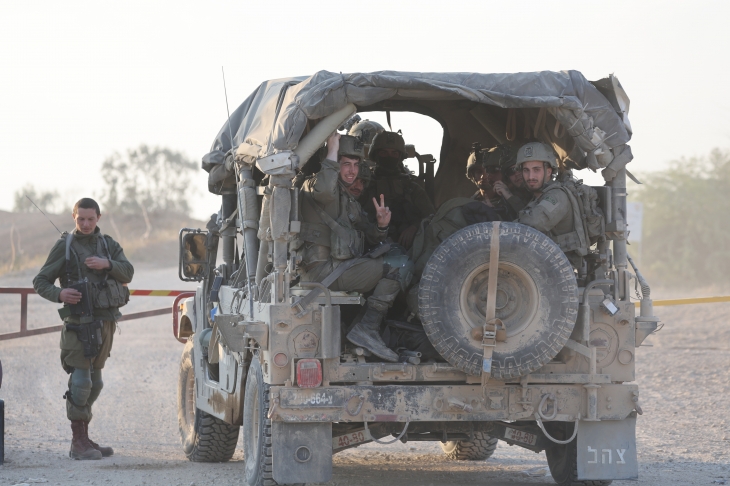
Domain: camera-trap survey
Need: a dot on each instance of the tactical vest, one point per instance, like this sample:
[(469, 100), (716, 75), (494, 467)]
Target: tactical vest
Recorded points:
[(106, 292), (588, 220), (337, 234)]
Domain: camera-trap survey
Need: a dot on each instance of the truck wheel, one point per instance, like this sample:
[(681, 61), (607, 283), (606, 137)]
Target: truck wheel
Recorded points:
[(479, 449), (204, 438), (257, 429), (537, 299), (563, 458)]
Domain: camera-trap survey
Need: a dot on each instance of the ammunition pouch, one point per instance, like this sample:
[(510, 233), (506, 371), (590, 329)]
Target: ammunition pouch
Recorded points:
[(570, 242), (347, 245), (109, 293)]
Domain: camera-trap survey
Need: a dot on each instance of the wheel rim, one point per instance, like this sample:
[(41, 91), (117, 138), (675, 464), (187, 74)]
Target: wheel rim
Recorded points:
[(190, 401), (517, 298)]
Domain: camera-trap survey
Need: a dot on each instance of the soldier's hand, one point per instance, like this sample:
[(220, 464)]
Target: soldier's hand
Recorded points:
[(501, 189), (333, 146), (96, 263), (382, 212), (70, 296), (406, 237)]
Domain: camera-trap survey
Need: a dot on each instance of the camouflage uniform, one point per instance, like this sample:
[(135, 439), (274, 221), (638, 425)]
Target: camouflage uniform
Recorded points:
[(84, 385), (506, 209)]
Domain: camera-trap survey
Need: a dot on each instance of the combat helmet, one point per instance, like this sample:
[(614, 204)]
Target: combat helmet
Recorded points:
[(366, 130), (366, 172), (508, 157), (486, 158), (351, 147), (388, 140), (537, 151)]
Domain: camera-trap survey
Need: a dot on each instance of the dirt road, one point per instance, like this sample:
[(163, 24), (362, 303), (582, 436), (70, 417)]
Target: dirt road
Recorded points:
[(683, 436)]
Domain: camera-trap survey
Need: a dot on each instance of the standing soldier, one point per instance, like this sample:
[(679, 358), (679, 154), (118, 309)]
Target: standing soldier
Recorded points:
[(93, 273), (333, 233), (406, 198)]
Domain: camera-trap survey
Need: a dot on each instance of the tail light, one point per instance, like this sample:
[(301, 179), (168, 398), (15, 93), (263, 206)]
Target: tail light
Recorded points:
[(309, 373)]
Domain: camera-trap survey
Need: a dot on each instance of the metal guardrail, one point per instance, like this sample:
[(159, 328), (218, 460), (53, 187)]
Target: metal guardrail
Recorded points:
[(25, 291)]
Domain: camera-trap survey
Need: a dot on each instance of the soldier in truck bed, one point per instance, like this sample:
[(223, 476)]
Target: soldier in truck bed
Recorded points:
[(407, 200), (334, 231)]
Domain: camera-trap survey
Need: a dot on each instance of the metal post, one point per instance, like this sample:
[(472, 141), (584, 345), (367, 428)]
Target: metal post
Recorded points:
[(2, 432), (23, 312), (618, 193)]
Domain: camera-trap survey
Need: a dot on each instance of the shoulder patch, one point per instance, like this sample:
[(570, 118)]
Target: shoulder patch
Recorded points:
[(550, 198)]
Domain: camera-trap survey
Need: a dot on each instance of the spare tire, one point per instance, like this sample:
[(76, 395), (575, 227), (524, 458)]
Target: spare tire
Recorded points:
[(537, 299)]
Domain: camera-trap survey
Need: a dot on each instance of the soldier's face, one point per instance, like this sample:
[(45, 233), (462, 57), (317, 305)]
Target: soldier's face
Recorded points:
[(356, 188), (86, 220), (535, 174), (485, 178), (515, 178), (349, 169)]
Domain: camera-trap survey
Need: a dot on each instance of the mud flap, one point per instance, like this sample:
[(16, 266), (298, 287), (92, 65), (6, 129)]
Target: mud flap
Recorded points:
[(302, 453), (607, 449)]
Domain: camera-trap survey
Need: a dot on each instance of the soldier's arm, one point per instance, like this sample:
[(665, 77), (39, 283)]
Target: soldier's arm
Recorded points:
[(323, 186), (44, 282), (516, 203), (372, 234), (122, 270), (551, 209)]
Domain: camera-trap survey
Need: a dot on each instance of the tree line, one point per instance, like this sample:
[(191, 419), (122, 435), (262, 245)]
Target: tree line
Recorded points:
[(141, 180)]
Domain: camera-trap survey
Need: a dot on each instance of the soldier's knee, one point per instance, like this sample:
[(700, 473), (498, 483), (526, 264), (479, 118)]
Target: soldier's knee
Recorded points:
[(80, 386)]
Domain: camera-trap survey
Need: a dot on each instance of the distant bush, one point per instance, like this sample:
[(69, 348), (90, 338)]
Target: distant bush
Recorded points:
[(686, 214), (150, 179)]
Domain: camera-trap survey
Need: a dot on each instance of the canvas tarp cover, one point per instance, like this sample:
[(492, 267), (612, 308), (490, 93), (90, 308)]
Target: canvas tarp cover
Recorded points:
[(275, 116)]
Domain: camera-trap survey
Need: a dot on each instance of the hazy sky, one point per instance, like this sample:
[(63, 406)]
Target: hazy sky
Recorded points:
[(80, 80)]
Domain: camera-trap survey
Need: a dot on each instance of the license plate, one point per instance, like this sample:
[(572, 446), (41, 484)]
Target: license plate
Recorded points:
[(350, 439), (312, 398), (520, 436)]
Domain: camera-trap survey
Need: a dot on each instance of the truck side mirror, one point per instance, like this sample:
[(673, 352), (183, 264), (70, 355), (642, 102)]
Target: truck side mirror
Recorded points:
[(193, 264)]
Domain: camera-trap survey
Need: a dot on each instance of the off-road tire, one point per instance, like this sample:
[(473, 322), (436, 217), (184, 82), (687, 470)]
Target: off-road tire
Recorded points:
[(479, 449), (563, 459), (257, 446), (204, 437), (537, 298)]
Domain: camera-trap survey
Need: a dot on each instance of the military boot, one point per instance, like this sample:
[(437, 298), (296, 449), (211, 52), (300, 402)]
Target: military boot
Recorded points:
[(105, 451), (366, 334), (80, 446)]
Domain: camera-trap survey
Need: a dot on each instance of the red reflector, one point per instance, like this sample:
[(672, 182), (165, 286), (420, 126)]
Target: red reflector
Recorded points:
[(309, 373)]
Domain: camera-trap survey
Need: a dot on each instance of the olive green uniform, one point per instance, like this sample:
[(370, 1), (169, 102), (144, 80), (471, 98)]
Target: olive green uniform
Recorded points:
[(553, 214), (84, 384), (322, 251), (406, 199)]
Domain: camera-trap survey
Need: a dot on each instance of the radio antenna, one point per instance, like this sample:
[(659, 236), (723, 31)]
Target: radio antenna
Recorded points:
[(44, 214), (225, 91)]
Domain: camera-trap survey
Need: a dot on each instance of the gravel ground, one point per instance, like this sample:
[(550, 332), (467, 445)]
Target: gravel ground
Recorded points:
[(683, 436)]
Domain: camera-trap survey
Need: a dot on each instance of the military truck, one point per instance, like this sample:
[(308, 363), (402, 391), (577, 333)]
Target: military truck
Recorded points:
[(536, 350)]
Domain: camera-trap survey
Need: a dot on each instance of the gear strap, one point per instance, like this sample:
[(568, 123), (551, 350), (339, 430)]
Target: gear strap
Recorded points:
[(336, 227), (491, 333)]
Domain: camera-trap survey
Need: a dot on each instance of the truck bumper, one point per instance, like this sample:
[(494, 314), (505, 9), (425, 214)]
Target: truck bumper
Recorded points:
[(414, 403)]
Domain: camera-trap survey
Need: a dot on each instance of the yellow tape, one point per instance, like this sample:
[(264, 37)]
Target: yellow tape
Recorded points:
[(699, 300)]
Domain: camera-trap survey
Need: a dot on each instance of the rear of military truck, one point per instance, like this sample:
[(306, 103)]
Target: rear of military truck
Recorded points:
[(558, 380)]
